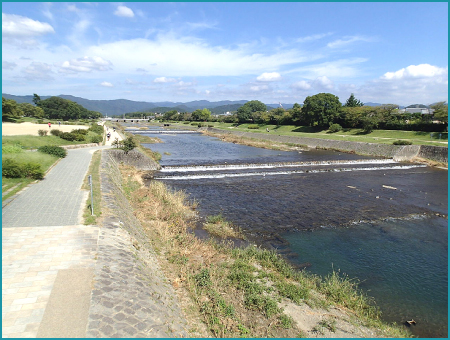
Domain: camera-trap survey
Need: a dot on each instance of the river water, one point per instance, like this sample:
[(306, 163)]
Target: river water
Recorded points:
[(380, 221)]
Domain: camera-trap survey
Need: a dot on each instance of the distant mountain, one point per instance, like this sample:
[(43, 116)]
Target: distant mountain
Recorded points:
[(417, 106), (372, 104)]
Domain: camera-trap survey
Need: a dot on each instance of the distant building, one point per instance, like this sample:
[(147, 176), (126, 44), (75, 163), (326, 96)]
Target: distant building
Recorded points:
[(424, 111)]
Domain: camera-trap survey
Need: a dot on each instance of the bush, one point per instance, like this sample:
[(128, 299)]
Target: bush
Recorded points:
[(96, 139), (32, 170), (56, 132), (12, 149), (402, 142), (53, 150), (335, 128), (254, 126), (80, 131), (98, 129), (68, 136), (79, 137), (42, 132), (13, 169)]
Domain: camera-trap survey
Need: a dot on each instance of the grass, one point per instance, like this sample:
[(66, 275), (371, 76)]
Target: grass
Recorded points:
[(11, 186), (356, 135), (94, 171), (33, 142), (235, 292), (216, 225)]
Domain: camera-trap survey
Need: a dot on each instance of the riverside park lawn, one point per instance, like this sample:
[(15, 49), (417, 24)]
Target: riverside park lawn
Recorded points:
[(354, 135)]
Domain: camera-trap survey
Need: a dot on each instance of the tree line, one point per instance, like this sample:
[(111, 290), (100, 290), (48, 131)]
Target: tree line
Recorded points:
[(50, 108)]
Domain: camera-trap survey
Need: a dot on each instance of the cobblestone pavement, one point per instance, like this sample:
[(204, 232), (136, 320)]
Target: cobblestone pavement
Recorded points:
[(43, 241)]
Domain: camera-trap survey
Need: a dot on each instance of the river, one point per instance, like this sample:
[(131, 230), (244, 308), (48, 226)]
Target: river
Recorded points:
[(377, 220)]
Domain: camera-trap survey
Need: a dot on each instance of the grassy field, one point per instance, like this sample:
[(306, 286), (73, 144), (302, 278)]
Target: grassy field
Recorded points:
[(355, 135), (33, 142)]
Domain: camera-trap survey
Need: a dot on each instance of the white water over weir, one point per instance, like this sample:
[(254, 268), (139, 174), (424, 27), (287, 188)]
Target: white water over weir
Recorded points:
[(272, 165), (218, 171)]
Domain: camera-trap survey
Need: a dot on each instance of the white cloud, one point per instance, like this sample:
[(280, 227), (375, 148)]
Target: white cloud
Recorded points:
[(38, 71), (106, 84), (197, 59), (313, 37), (124, 11), (323, 83), (164, 80), (85, 64), (259, 88), (414, 84), (417, 71), (17, 26), (348, 41), (342, 68), (6, 65), (301, 85), (274, 76)]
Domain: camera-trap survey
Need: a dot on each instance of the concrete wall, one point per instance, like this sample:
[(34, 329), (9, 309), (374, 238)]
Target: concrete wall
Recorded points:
[(397, 152)]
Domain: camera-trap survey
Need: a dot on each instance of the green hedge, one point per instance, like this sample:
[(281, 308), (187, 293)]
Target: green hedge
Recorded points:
[(12, 169), (53, 150)]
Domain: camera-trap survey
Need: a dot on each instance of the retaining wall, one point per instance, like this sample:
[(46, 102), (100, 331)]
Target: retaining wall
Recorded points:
[(134, 158), (397, 152)]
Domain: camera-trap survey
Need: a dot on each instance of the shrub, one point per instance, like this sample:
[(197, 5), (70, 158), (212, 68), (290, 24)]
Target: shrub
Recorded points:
[(68, 136), (53, 150), (11, 168), (12, 149), (42, 132), (402, 142), (56, 132), (79, 137), (98, 129), (96, 139), (253, 126), (80, 131), (32, 170), (335, 128)]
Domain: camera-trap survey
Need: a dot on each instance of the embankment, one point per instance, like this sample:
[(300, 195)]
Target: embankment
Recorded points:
[(396, 152)]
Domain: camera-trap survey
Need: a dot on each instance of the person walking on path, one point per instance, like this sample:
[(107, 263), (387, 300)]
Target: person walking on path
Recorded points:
[(49, 125)]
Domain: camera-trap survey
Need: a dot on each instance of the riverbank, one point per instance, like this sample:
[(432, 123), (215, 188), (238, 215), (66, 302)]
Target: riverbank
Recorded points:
[(431, 155), (227, 292)]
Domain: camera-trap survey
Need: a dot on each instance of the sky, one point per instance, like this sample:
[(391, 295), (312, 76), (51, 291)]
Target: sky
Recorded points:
[(383, 52)]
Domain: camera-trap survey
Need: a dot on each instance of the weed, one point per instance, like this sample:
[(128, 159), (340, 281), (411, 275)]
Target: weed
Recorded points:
[(292, 291), (203, 278), (285, 321)]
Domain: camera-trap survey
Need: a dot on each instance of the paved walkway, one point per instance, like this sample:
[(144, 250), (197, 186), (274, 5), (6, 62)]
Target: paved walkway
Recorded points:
[(54, 278)]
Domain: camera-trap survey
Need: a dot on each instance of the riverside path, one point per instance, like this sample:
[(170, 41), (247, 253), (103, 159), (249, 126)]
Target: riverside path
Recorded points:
[(51, 264)]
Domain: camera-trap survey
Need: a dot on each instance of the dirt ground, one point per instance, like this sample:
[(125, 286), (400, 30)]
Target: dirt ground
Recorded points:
[(13, 129)]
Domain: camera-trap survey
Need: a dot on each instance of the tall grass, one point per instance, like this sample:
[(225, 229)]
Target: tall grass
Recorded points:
[(234, 291)]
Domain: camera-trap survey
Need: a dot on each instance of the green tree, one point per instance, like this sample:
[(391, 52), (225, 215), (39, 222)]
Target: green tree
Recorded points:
[(170, 115), (321, 109), (201, 115), (353, 102), (440, 111), (30, 110), (59, 108), (10, 110), (36, 99), (296, 113), (244, 113)]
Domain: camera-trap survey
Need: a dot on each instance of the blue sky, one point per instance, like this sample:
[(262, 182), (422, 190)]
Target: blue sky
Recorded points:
[(181, 51)]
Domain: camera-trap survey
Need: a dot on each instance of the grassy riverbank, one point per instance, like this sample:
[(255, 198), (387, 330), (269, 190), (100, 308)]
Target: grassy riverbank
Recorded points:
[(250, 292), (354, 135)]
